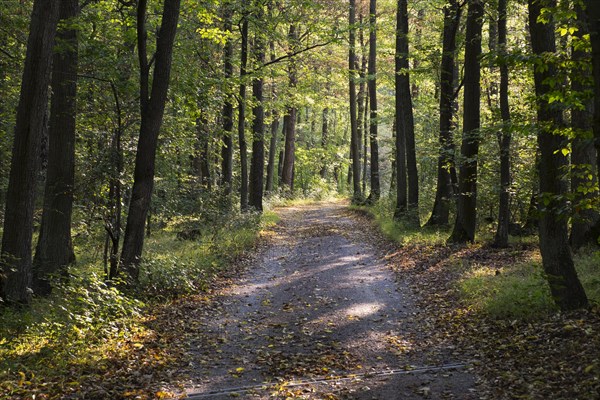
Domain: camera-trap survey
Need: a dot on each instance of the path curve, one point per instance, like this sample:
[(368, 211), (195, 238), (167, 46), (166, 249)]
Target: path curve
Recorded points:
[(319, 315)]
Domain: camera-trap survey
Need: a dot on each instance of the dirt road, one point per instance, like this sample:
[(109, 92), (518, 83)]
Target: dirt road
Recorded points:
[(319, 315)]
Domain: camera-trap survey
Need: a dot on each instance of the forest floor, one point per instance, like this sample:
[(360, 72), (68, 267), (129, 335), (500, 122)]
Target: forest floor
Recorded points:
[(319, 313)]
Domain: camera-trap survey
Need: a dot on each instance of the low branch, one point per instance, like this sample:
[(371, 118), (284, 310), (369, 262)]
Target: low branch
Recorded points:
[(290, 55)]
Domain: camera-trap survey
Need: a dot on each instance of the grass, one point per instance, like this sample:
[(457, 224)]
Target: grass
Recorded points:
[(509, 285), (53, 341)]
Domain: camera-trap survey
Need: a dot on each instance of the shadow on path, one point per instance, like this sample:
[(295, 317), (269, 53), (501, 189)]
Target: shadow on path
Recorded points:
[(319, 315)]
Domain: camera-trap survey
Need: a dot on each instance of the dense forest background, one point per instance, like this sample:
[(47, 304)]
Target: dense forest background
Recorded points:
[(140, 141)]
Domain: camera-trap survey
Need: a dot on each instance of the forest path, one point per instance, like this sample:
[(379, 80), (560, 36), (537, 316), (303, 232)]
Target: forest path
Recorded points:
[(319, 315)]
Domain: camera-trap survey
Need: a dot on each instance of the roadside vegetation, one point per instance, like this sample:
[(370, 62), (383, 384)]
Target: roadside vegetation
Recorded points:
[(494, 305), (93, 337)]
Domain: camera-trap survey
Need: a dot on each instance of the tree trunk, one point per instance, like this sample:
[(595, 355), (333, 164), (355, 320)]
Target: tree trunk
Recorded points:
[(466, 215), (272, 151), (583, 156), (227, 147), (242, 118), (201, 157), (257, 165), (54, 250), (373, 121), (274, 130), (504, 137), (444, 189), (16, 279), (324, 139), (354, 142), (289, 122), (405, 138), (362, 99), (152, 105), (565, 287), (593, 14)]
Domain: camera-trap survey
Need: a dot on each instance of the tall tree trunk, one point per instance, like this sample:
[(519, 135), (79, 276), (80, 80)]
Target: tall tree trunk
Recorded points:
[(405, 138), (373, 120), (504, 137), (593, 14), (242, 117), (365, 145), (274, 129), (289, 121), (565, 287), (152, 105), (272, 151), (54, 250), (583, 155), (466, 215), (354, 142), (444, 189), (202, 155), (324, 140), (227, 147), (257, 165), (362, 99), (16, 278)]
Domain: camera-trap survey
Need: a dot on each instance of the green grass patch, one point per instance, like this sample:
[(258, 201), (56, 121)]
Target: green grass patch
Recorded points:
[(399, 231), (512, 292)]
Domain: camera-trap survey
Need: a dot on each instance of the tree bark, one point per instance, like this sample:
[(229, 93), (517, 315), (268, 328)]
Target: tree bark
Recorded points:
[(373, 120), (257, 165), (583, 154), (362, 110), (504, 137), (466, 216), (54, 250), (354, 142), (16, 279), (152, 105), (274, 129), (407, 181), (242, 117), (593, 14), (227, 147), (272, 152), (324, 139), (202, 155), (289, 121), (444, 189), (565, 287)]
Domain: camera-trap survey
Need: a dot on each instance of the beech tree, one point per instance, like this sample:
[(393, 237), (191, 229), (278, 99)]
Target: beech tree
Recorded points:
[(466, 215), (565, 287), (289, 120), (257, 166), (406, 176), (152, 105), (16, 279), (354, 141), (54, 248), (373, 121), (445, 167), (504, 137)]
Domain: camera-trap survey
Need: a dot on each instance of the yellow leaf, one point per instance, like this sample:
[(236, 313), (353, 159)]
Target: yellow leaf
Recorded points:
[(239, 369), (589, 368)]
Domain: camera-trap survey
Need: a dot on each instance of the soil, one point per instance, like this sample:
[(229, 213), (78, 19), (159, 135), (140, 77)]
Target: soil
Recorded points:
[(319, 314)]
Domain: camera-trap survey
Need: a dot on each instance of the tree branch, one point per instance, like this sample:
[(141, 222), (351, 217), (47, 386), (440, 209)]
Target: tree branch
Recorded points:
[(290, 55)]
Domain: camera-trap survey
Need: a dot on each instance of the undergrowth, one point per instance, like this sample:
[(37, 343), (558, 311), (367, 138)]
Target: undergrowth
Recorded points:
[(509, 285), (48, 346)]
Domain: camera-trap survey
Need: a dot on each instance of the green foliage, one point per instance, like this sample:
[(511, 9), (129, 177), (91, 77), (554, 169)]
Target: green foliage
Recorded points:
[(402, 232), (514, 291), (175, 266)]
